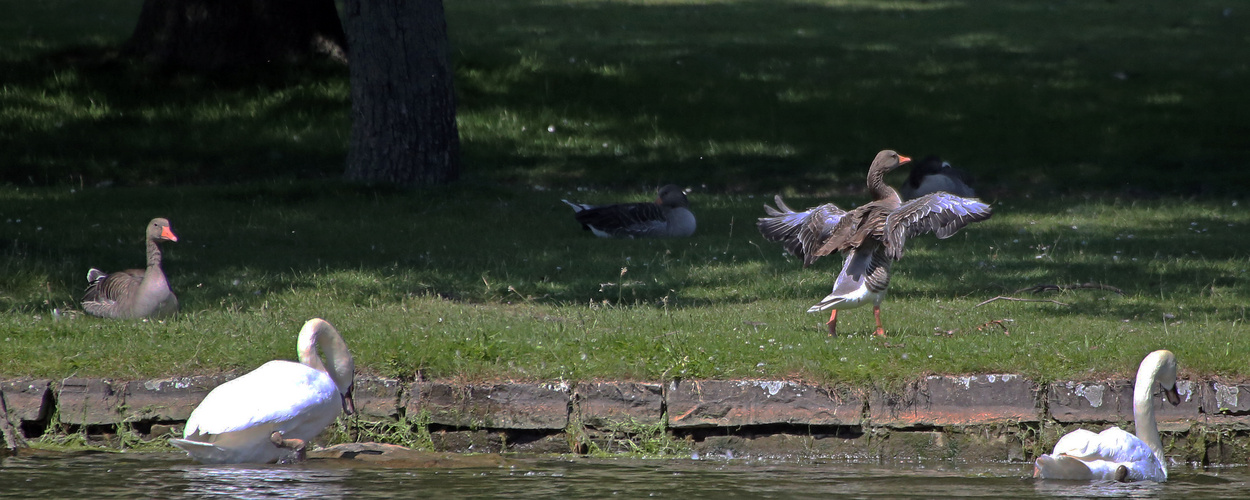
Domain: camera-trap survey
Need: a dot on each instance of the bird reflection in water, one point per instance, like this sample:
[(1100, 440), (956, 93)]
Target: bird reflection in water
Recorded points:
[(1097, 489), (248, 482)]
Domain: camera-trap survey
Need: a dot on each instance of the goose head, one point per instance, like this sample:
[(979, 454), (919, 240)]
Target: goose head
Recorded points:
[(672, 196), (319, 333), (158, 230), (886, 161)]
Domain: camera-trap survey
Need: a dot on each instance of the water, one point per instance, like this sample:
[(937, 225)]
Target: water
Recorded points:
[(166, 475)]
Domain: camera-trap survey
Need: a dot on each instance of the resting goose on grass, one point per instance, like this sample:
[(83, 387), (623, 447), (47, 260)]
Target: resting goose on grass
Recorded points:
[(871, 236), (668, 217), (931, 174), (134, 293)]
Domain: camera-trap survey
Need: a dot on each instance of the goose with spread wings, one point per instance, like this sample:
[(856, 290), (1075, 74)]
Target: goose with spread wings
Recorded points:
[(871, 236)]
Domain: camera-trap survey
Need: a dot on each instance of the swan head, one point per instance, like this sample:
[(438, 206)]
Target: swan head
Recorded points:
[(349, 404), (1158, 367), (1166, 375), (316, 333), (344, 378)]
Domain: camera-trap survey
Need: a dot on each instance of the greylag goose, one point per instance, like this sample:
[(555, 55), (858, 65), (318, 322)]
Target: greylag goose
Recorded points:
[(1114, 454), (134, 293), (931, 174), (277, 407), (871, 236), (668, 217)]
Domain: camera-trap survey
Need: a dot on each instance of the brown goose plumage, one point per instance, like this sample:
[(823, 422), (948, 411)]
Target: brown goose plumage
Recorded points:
[(871, 236), (134, 293)]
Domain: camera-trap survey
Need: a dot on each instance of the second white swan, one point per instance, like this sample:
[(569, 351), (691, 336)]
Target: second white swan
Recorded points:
[(1114, 454), (275, 409)]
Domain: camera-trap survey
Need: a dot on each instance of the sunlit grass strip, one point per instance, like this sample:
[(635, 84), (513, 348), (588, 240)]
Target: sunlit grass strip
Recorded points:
[(414, 286)]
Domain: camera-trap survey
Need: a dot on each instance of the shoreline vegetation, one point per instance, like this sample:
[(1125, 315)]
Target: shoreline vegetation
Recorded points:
[(1001, 418), (1111, 152)]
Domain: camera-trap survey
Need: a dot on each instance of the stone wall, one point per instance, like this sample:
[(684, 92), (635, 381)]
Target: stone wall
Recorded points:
[(983, 417)]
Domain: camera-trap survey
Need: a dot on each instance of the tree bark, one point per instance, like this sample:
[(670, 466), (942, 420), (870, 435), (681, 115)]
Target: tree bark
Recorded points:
[(214, 34), (403, 100)]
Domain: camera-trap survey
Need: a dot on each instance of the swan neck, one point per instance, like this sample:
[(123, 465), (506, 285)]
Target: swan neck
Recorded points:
[(1143, 404), (320, 333)]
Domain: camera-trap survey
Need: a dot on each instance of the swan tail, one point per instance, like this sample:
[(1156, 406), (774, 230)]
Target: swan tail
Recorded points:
[(1061, 467), (202, 452)]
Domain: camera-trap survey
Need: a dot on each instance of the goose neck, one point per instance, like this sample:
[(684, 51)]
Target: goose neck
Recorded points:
[(154, 253), (877, 186)]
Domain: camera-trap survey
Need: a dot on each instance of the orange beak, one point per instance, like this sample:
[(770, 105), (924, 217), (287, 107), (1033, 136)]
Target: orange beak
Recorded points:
[(903, 159), (167, 234)]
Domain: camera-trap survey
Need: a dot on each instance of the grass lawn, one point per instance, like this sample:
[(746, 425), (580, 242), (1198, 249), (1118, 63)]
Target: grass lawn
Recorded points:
[(1109, 137)]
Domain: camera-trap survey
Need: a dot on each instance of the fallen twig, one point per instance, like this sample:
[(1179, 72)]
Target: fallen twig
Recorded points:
[(1035, 289), (1017, 299), (999, 322)]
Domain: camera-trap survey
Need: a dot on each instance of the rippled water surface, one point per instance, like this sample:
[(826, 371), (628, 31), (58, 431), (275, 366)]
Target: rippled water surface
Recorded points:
[(112, 475)]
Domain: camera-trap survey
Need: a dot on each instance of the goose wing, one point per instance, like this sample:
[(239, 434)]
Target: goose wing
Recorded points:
[(104, 290), (801, 233), (625, 219), (941, 213)]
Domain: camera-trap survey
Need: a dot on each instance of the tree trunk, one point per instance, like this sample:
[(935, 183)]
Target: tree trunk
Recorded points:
[(403, 102), (212, 34)]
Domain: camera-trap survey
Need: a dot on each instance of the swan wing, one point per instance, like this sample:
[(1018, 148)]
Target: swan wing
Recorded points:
[(278, 391), (1101, 455), (801, 233), (941, 213), (1062, 467), (1113, 444)]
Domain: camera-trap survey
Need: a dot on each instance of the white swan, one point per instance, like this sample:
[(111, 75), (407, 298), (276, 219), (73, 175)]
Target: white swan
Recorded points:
[(259, 417), (1114, 454)]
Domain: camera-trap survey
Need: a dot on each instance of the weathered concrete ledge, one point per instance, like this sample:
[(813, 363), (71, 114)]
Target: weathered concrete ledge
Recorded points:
[(982, 417)]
